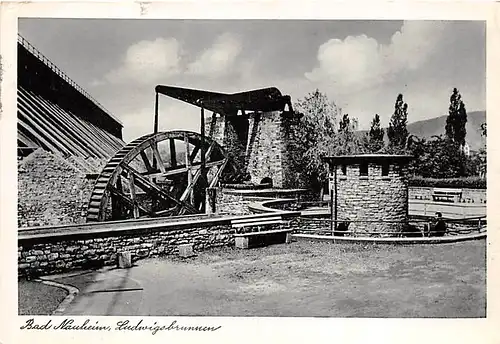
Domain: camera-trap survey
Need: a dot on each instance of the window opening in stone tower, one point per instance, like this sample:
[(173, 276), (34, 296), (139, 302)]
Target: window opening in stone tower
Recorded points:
[(363, 169), (385, 169)]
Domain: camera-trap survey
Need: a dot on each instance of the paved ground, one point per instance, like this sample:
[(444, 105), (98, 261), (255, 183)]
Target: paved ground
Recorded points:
[(300, 279)]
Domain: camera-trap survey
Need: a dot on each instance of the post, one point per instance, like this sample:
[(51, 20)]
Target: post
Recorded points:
[(155, 126), (155, 129), (188, 167), (336, 198), (202, 151), (332, 228)]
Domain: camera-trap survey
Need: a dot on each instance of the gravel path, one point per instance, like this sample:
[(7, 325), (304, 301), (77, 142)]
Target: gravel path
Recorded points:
[(300, 279)]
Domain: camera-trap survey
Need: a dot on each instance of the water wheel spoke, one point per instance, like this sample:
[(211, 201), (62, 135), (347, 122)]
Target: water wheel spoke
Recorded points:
[(157, 157), (217, 175), (146, 162), (145, 184), (167, 185), (128, 201)]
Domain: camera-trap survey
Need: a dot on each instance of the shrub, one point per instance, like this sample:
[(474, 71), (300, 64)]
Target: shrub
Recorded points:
[(466, 182)]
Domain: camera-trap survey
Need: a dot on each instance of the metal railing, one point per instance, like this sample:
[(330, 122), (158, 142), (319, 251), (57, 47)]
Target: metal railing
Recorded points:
[(35, 52), (469, 225)]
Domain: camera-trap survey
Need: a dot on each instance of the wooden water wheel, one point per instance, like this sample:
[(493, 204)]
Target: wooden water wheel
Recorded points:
[(157, 175)]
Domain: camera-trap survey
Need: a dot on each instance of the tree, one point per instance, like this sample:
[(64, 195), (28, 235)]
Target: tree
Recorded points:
[(482, 153), (439, 158), (375, 136), (313, 138), (347, 141), (456, 120), (318, 135), (483, 129), (397, 131)]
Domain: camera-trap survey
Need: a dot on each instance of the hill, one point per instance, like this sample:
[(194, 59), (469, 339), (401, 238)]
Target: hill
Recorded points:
[(435, 126)]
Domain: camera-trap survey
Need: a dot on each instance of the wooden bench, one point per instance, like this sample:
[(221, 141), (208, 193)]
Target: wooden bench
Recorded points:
[(255, 232), (446, 195)]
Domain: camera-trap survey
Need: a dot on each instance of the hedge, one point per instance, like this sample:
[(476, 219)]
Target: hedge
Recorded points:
[(466, 182)]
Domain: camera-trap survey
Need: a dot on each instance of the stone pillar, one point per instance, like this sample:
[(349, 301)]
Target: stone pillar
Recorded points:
[(265, 160), (124, 260)]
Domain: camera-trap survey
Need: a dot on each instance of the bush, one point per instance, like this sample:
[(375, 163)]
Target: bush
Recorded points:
[(467, 182)]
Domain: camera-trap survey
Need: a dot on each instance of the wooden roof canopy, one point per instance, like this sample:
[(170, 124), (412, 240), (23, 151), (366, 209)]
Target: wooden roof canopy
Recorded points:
[(265, 99)]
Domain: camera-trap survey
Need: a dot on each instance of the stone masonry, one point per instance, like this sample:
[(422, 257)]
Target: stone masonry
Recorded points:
[(39, 255), (52, 190), (373, 202), (259, 143)]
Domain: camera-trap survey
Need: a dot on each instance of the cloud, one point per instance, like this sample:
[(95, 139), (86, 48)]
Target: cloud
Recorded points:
[(358, 62), (217, 59), (146, 62)]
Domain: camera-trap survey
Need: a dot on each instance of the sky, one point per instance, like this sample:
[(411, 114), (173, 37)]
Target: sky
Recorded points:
[(360, 65)]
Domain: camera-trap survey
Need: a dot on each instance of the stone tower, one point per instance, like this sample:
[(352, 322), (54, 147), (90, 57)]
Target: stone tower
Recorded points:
[(371, 191), (259, 143)]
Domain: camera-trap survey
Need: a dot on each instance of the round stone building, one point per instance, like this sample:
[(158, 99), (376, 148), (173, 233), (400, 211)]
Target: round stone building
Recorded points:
[(370, 192)]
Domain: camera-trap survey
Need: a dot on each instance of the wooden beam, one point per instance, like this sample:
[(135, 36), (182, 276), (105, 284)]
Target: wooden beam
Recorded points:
[(157, 157), (188, 167), (45, 120), (197, 175), (168, 212), (145, 184), (146, 162), (218, 173), (191, 185), (210, 150), (116, 204), (173, 156), (132, 195), (182, 169), (194, 153), (212, 124), (127, 200)]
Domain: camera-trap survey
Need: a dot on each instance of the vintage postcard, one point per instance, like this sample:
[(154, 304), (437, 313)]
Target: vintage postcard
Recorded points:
[(258, 171)]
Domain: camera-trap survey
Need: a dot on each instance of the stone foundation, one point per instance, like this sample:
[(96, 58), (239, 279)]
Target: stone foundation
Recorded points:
[(49, 250), (53, 190), (60, 252)]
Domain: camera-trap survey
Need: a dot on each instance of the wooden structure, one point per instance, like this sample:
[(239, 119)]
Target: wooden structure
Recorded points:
[(57, 115), (145, 178), (446, 195), (261, 231)]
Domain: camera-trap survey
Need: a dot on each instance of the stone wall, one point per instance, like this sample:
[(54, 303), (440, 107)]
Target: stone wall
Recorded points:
[(235, 140), (53, 190), (368, 199), (65, 251), (236, 202), (217, 129)]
